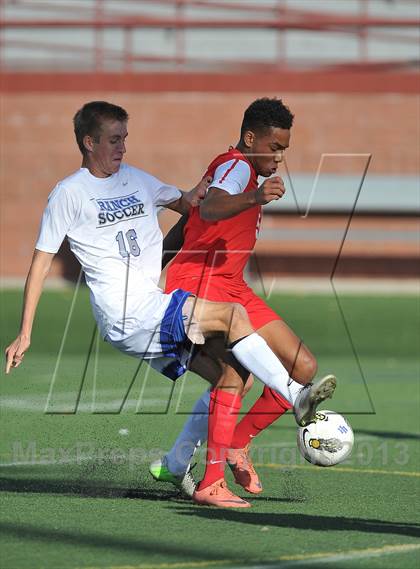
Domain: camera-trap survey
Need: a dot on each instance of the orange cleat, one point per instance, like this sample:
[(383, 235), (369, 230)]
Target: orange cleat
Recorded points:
[(243, 470), (219, 495)]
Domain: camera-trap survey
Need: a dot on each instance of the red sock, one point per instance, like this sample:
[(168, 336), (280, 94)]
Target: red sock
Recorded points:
[(269, 407), (223, 410)]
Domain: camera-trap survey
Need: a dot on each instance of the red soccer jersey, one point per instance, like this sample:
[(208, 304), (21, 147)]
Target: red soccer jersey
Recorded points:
[(219, 250)]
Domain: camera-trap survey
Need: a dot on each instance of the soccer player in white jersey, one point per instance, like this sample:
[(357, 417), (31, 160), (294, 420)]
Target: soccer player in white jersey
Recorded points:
[(108, 211)]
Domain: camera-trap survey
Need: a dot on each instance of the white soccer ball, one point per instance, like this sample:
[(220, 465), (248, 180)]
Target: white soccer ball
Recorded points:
[(327, 441)]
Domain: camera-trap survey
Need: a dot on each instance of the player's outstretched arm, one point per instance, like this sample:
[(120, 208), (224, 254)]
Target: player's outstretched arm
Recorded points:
[(219, 204), (40, 267)]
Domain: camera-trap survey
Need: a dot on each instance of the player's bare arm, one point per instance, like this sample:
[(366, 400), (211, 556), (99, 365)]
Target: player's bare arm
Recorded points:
[(219, 204), (40, 267)]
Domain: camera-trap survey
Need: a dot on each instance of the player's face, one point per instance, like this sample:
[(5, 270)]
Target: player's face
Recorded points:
[(267, 150), (108, 151)]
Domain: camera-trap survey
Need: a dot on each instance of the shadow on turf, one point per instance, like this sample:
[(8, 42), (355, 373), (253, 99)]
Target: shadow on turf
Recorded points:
[(102, 490), (305, 521), (80, 488), (371, 432), (106, 541), (389, 434)]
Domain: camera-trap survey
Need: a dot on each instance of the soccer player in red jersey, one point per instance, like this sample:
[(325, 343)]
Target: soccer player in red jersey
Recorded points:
[(218, 238)]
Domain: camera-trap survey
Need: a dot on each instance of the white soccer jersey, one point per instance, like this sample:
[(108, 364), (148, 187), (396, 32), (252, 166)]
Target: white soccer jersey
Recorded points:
[(111, 224)]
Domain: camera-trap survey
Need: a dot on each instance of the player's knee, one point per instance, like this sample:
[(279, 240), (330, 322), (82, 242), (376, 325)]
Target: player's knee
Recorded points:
[(307, 368), (230, 381), (232, 319)]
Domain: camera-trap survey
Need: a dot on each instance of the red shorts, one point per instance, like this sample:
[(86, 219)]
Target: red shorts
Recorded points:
[(258, 311)]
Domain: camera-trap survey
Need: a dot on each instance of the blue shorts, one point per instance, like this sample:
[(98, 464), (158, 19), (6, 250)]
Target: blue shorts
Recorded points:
[(172, 330), (167, 347)]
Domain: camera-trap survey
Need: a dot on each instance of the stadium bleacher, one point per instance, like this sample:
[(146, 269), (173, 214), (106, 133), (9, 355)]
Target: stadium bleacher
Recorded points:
[(191, 58)]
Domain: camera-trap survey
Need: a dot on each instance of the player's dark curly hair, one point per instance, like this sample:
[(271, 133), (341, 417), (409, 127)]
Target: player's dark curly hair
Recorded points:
[(88, 120), (265, 113)]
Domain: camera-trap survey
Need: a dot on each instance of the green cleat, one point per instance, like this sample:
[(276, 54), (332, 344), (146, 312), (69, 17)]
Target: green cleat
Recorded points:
[(160, 472)]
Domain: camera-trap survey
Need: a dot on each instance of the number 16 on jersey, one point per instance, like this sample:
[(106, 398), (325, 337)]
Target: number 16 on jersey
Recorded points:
[(130, 239)]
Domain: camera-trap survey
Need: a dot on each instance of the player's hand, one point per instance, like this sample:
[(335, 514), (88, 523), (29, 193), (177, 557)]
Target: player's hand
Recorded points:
[(272, 189), (16, 351), (197, 194)]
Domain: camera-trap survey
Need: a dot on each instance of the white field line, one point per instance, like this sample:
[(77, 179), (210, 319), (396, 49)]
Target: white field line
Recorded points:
[(281, 562), (61, 403), (318, 558), (347, 469), (37, 404), (57, 462)]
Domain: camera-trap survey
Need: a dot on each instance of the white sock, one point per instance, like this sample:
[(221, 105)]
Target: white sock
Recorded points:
[(254, 353), (193, 434)]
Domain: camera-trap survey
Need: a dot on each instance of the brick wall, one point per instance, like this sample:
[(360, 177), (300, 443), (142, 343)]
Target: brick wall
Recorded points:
[(175, 135)]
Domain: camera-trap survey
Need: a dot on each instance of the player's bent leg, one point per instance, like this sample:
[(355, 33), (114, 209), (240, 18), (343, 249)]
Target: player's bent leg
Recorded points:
[(270, 406), (208, 362), (298, 361), (253, 352), (216, 350), (224, 407), (238, 460), (302, 366), (174, 467), (295, 356)]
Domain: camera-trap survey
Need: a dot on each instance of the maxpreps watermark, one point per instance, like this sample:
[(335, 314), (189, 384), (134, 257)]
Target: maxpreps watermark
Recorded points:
[(365, 453), (114, 210), (82, 452)]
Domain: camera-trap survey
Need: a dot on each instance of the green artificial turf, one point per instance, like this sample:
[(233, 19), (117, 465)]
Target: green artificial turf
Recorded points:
[(76, 443)]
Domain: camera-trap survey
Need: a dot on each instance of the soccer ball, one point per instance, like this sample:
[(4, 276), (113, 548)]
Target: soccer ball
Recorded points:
[(327, 441)]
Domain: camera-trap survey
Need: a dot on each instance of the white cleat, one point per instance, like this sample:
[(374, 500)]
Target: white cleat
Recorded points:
[(160, 472), (310, 396)]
